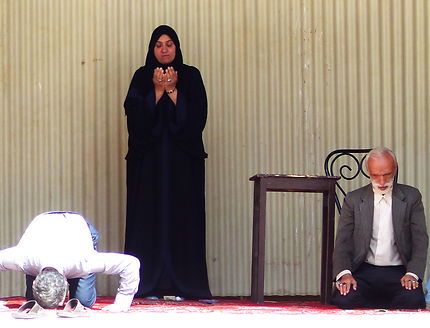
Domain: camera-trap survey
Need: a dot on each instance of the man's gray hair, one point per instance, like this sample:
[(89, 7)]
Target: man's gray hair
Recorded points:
[(379, 152), (49, 288)]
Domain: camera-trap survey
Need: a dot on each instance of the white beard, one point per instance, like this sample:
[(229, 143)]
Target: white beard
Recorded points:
[(376, 187)]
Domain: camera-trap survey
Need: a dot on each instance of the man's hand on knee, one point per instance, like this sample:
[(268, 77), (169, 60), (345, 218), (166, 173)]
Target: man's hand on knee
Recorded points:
[(409, 282), (345, 283)]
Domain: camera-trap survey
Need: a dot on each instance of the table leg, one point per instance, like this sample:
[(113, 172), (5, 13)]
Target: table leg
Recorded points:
[(327, 247), (258, 243)]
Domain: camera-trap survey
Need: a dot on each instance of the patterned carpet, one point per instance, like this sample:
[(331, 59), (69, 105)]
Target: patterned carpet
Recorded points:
[(233, 306), (247, 307), (218, 313)]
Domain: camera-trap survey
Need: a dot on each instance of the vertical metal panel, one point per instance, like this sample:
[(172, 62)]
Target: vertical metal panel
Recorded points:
[(287, 82)]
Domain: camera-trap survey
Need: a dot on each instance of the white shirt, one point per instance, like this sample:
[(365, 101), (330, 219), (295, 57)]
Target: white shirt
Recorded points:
[(383, 249), (63, 241)]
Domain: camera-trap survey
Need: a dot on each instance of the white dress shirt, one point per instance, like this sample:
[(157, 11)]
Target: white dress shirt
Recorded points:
[(383, 249), (63, 241)]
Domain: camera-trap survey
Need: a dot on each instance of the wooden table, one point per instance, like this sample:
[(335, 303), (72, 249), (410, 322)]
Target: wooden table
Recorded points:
[(292, 183)]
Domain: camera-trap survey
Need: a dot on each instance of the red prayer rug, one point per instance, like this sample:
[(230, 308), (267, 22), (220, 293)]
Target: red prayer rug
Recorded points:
[(232, 306)]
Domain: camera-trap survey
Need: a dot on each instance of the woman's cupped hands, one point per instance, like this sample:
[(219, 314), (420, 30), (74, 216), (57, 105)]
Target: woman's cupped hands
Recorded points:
[(165, 79)]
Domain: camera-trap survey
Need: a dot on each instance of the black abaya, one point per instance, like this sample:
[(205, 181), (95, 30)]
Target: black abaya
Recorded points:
[(165, 224)]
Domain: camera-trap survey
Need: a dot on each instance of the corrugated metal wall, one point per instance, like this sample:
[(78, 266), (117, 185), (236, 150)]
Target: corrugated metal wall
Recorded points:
[(287, 82)]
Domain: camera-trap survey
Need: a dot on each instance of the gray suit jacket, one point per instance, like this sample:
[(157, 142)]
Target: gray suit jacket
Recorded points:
[(356, 223)]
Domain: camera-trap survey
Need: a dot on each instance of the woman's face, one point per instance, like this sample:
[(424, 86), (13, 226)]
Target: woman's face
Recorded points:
[(165, 50)]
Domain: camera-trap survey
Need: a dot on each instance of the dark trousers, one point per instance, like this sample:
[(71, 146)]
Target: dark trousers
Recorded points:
[(379, 287)]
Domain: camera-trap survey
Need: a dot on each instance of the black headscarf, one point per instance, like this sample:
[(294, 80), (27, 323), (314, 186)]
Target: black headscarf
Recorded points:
[(151, 62)]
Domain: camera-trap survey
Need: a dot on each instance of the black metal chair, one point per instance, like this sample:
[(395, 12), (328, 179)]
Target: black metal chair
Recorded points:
[(348, 165)]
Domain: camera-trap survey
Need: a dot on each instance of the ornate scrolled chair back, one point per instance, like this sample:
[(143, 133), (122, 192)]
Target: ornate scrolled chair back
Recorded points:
[(348, 164)]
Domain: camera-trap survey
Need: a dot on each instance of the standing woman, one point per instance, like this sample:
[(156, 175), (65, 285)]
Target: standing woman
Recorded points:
[(166, 110)]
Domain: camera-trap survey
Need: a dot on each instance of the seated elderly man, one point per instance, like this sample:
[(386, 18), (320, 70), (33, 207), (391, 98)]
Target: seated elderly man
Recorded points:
[(381, 244), (58, 246)]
